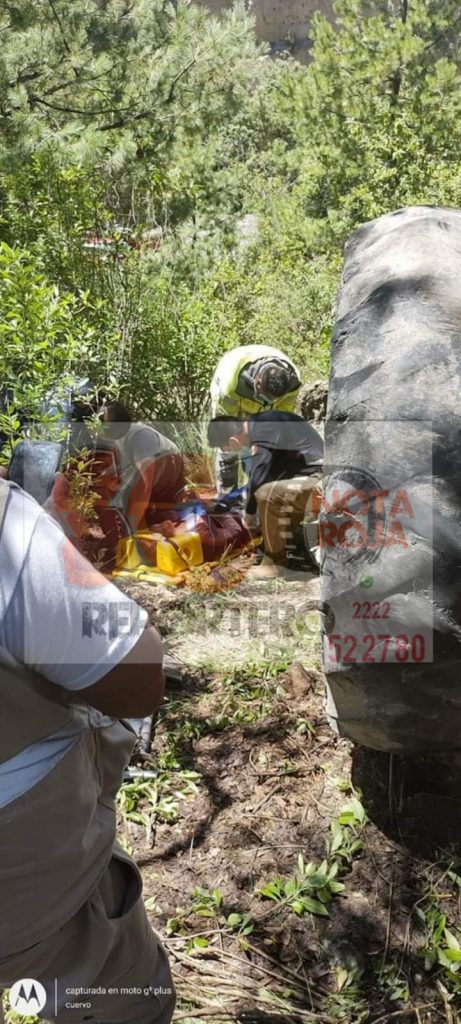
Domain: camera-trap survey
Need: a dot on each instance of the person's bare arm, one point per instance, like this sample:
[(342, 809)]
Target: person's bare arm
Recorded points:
[(134, 688), (141, 494)]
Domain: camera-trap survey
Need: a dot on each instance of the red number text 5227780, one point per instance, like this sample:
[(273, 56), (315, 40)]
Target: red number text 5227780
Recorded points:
[(372, 649)]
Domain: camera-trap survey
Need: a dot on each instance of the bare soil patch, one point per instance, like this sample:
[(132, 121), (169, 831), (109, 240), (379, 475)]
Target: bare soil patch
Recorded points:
[(272, 778)]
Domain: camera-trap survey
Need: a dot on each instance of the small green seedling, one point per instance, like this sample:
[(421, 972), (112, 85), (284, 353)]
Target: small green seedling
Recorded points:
[(314, 885), (206, 903), (310, 891), (158, 799)]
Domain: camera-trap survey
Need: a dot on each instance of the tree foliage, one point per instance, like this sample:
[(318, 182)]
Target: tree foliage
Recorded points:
[(117, 118), (43, 335)]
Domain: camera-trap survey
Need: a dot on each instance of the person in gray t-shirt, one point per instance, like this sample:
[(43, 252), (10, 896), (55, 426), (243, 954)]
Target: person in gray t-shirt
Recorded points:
[(77, 658), (151, 467)]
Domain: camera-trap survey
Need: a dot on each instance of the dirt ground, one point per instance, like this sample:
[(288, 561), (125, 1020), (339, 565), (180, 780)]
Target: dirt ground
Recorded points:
[(273, 782)]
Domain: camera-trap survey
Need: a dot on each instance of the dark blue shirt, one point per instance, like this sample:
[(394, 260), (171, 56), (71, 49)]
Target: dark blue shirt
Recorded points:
[(287, 446)]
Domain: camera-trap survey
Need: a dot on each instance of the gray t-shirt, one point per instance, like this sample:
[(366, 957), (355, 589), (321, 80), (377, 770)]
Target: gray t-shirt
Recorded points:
[(140, 445)]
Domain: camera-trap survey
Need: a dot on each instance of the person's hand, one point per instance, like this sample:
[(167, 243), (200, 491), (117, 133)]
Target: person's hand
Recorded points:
[(249, 522), (60, 494), (169, 529)]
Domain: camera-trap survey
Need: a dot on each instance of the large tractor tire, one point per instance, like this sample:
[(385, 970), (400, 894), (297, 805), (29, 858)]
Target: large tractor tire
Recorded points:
[(391, 523)]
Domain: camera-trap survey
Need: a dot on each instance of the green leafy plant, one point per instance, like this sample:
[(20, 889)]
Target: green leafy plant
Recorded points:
[(158, 799), (392, 981), (442, 946), (242, 924), (41, 332), (304, 727), (314, 885), (82, 496), (348, 1002), (345, 830), (206, 903), (310, 890)]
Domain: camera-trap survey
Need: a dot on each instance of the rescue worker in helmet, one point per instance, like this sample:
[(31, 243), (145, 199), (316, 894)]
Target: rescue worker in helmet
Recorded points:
[(249, 380)]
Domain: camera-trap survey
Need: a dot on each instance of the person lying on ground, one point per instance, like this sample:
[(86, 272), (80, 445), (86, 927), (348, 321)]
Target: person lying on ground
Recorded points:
[(76, 657), (285, 473), (136, 476), (249, 380), (157, 505)]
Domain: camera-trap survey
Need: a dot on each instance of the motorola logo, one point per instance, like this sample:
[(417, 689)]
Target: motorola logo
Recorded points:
[(27, 997)]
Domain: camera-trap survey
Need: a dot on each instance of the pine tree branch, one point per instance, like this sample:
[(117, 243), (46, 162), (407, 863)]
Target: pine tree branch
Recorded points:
[(144, 114), (64, 38), (180, 75), (74, 110), (22, 79), (442, 35), (30, 76), (69, 83), (123, 121)]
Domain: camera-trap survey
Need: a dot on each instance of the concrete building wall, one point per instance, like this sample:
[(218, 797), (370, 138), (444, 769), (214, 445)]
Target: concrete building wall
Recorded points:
[(277, 20)]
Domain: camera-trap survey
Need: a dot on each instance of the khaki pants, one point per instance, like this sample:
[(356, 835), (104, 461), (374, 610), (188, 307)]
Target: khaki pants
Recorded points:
[(282, 507), (108, 950)]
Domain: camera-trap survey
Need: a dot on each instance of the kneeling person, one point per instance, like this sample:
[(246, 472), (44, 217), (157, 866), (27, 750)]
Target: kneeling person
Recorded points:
[(249, 380), (285, 471)]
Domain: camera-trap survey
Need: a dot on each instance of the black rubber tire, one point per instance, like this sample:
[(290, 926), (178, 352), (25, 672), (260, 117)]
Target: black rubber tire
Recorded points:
[(394, 419)]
